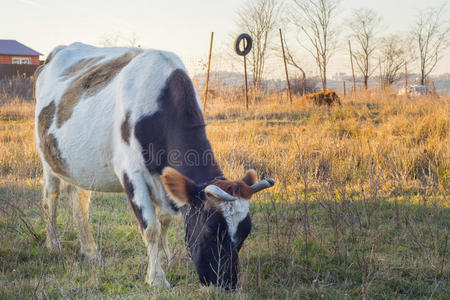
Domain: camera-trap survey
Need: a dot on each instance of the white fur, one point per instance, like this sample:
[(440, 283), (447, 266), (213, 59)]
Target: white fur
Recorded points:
[(234, 212)]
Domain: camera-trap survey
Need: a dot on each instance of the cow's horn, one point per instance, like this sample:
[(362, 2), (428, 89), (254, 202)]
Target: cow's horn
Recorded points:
[(263, 184), (217, 192)]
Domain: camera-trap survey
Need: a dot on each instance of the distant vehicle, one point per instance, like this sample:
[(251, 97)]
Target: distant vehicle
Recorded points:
[(413, 90)]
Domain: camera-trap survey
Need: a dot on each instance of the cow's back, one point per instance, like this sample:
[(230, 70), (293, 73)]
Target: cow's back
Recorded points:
[(84, 95)]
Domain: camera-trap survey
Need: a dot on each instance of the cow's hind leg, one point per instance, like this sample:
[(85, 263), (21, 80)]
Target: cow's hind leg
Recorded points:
[(138, 195), (80, 202), (49, 208), (165, 220)]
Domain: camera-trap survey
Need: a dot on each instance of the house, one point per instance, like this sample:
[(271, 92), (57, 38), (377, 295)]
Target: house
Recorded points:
[(13, 52), (16, 59)]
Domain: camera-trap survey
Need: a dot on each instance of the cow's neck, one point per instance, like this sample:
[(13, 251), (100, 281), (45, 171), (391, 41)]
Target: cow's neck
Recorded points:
[(196, 159)]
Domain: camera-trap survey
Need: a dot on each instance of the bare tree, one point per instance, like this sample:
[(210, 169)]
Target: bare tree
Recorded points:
[(117, 39), (431, 35), (291, 60), (364, 27), (109, 39), (315, 19), (133, 40), (258, 18), (392, 59)]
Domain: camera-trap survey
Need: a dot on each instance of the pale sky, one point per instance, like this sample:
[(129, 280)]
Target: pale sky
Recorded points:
[(182, 27)]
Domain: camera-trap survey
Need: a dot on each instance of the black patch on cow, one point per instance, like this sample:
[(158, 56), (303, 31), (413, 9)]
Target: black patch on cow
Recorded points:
[(175, 135), (129, 190), (243, 230), (209, 244), (125, 129), (173, 206)]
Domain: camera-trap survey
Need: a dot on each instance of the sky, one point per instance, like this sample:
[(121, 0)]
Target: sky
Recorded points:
[(183, 27)]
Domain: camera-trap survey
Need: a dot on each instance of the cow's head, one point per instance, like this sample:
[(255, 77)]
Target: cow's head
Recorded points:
[(217, 221)]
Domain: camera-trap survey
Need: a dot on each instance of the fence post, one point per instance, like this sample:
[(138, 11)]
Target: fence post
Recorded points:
[(285, 68), (245, 81), (433, 87), (207, 73), (247, 48), (345, 90), (381, 75), (406, 80), (353, 70)]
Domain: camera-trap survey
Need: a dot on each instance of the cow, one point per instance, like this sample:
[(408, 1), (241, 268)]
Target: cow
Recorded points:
[(128, 120), (324, 98)]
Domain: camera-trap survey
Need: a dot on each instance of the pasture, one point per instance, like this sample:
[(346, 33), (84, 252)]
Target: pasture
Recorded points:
[(360, 209)]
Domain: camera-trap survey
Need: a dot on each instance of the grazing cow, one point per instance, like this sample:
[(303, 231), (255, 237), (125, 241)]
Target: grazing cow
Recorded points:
[(129, 120), (322, 98)]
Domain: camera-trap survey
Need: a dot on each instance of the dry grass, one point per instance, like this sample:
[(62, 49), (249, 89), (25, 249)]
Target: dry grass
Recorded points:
[(360, 209)]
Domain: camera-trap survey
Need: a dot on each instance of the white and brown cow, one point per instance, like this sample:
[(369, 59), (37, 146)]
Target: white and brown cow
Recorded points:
[(129, 120)]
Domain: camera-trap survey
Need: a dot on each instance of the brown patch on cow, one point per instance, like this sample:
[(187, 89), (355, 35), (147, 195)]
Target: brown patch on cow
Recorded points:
[(48, 142), (250, 177), (90, 83), (125, 129), (178, 186), (235, 188), (79, 66), (129, 191)]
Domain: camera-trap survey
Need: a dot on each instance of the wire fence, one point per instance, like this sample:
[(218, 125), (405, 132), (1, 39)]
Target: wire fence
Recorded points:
[(226, 79)]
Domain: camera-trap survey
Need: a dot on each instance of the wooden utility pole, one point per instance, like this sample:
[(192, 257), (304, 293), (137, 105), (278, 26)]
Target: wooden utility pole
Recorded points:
[(207, 72), (433, 87), (245, 79), (285, 68), (381, 75), (247, 43), (406, 79), (353, 70)]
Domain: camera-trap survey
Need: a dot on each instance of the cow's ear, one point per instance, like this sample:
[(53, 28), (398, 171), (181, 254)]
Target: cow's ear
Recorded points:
[(249, 177), (178, 186)]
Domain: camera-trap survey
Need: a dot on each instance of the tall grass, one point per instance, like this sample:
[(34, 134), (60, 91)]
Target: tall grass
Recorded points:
[(360, 208)]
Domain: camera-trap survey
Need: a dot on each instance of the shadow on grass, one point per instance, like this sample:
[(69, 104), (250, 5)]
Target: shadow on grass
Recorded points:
[(380, 248)]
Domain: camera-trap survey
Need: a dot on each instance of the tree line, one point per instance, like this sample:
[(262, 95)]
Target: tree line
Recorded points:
[(313, 26)]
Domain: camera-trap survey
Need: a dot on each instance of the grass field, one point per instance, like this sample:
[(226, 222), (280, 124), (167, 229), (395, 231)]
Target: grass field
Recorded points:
[(360, 209)]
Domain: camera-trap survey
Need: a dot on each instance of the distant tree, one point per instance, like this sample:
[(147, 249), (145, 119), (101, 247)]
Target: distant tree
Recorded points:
[(295, 62), (364, 27), (431, 35), (258, 18), (393, 56), (315, 18), (133, 40), (117, 39)]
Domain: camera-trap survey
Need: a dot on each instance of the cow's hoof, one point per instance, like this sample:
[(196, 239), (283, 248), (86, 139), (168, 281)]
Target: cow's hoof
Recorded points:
[(158, 282)]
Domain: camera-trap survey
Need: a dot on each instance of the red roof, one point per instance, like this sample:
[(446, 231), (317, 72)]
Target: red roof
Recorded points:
[(13, 47)]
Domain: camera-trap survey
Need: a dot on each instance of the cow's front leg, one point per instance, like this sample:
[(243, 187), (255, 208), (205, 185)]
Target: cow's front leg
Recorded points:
[(139, 198), (165, 220)]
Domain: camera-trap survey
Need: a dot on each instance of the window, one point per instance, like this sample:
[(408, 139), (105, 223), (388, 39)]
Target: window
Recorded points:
[(21, 60)]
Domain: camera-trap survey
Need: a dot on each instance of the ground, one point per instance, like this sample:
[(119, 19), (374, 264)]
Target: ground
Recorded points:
[(360, 208)]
